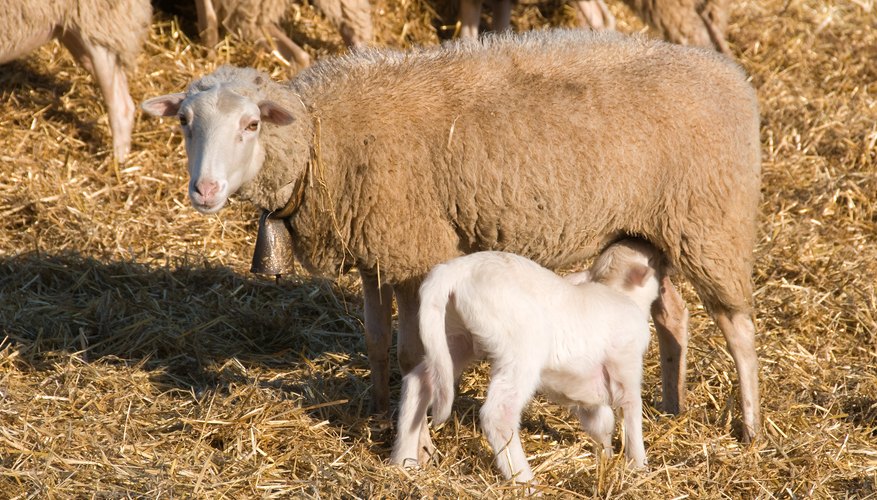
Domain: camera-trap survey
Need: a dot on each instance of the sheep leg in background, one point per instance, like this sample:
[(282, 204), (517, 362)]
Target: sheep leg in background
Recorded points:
[(470, 18), (502, 15), (739, 332), (287, 48), (356, 23), (208, 26), (671, 324), (351, 17), (700, 23), (105, 67), (594, 14), (716, 33), (378, 306)]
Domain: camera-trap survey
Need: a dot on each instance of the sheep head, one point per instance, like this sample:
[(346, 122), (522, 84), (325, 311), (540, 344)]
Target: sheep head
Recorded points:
[(221, 127)]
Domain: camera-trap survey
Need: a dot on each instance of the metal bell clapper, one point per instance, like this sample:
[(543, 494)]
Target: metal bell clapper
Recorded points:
[(273, 254)]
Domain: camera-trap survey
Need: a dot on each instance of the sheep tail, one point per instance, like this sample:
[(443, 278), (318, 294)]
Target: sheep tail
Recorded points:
[(435, 293)]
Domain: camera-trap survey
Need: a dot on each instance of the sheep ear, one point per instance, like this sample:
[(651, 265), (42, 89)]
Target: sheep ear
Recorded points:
[(578, 278), (638, 275), (274, 113), (166, 105)]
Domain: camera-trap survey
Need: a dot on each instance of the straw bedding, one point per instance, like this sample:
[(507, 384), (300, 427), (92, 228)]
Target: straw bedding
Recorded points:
[(138, 358)]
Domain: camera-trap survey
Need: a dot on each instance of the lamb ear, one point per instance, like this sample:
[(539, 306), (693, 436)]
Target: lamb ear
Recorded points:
[(578, 278), (166, 105), (274, 113), (638, 275)]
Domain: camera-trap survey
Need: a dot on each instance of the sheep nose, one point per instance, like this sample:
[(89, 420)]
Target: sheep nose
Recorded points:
[(207, 189)]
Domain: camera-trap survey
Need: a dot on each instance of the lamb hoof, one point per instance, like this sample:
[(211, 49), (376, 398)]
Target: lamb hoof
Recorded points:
[(406, 463), (424, 455)]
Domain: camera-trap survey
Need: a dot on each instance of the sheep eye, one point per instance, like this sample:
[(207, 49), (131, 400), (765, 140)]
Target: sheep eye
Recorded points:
[(253, 126), (183, 121)]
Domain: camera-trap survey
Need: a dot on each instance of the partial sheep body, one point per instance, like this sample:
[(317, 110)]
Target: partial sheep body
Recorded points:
[(258, 20), (580, 344), (352, 17), (591, 13), (549, 145), (700, 23), (104, 37)]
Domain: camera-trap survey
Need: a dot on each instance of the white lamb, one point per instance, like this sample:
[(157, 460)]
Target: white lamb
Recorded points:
[(580, 342)]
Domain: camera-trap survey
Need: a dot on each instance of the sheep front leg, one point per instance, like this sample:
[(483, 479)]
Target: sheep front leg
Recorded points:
[(739, 332), (107, 70), (378, 309), (671, 324), (626, 375), (634, 448)]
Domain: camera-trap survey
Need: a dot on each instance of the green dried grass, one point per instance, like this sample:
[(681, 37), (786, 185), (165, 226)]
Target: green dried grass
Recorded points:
[(140, 359)]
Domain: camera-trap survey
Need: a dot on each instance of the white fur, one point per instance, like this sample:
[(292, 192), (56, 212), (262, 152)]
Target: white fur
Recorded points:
[(580, 342)]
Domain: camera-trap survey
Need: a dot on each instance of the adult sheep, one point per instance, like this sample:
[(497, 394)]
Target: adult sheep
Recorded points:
[(104, 36), (554, 145), (701, 23)]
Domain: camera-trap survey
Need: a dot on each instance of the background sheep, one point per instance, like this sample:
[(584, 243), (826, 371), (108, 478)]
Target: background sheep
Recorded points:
[(701, 23), (104, 37), (591, 13), (401, 163), (258, 20), (581, 344)]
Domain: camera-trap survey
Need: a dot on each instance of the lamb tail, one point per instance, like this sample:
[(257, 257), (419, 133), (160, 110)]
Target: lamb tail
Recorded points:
[(434, 296)]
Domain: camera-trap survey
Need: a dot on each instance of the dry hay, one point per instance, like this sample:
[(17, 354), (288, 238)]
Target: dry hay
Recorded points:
[(140, 359)]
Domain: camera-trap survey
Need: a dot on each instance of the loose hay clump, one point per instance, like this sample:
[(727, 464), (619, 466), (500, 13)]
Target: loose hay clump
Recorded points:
[(139, 358)]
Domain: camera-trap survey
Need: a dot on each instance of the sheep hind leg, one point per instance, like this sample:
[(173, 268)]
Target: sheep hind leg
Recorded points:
[(409, 349), (502, 15), (671, 324), (500, 415), (287, 48), (208, 25), (113, 83), (416, 397), (594, 14), (739, 332), (378, 308), (470, 18), (599, 422)]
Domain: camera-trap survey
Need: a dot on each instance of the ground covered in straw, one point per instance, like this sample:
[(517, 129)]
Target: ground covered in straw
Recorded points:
[(138, 358)]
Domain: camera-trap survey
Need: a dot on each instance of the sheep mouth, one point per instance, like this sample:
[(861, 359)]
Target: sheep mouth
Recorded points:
[(209, 208)]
